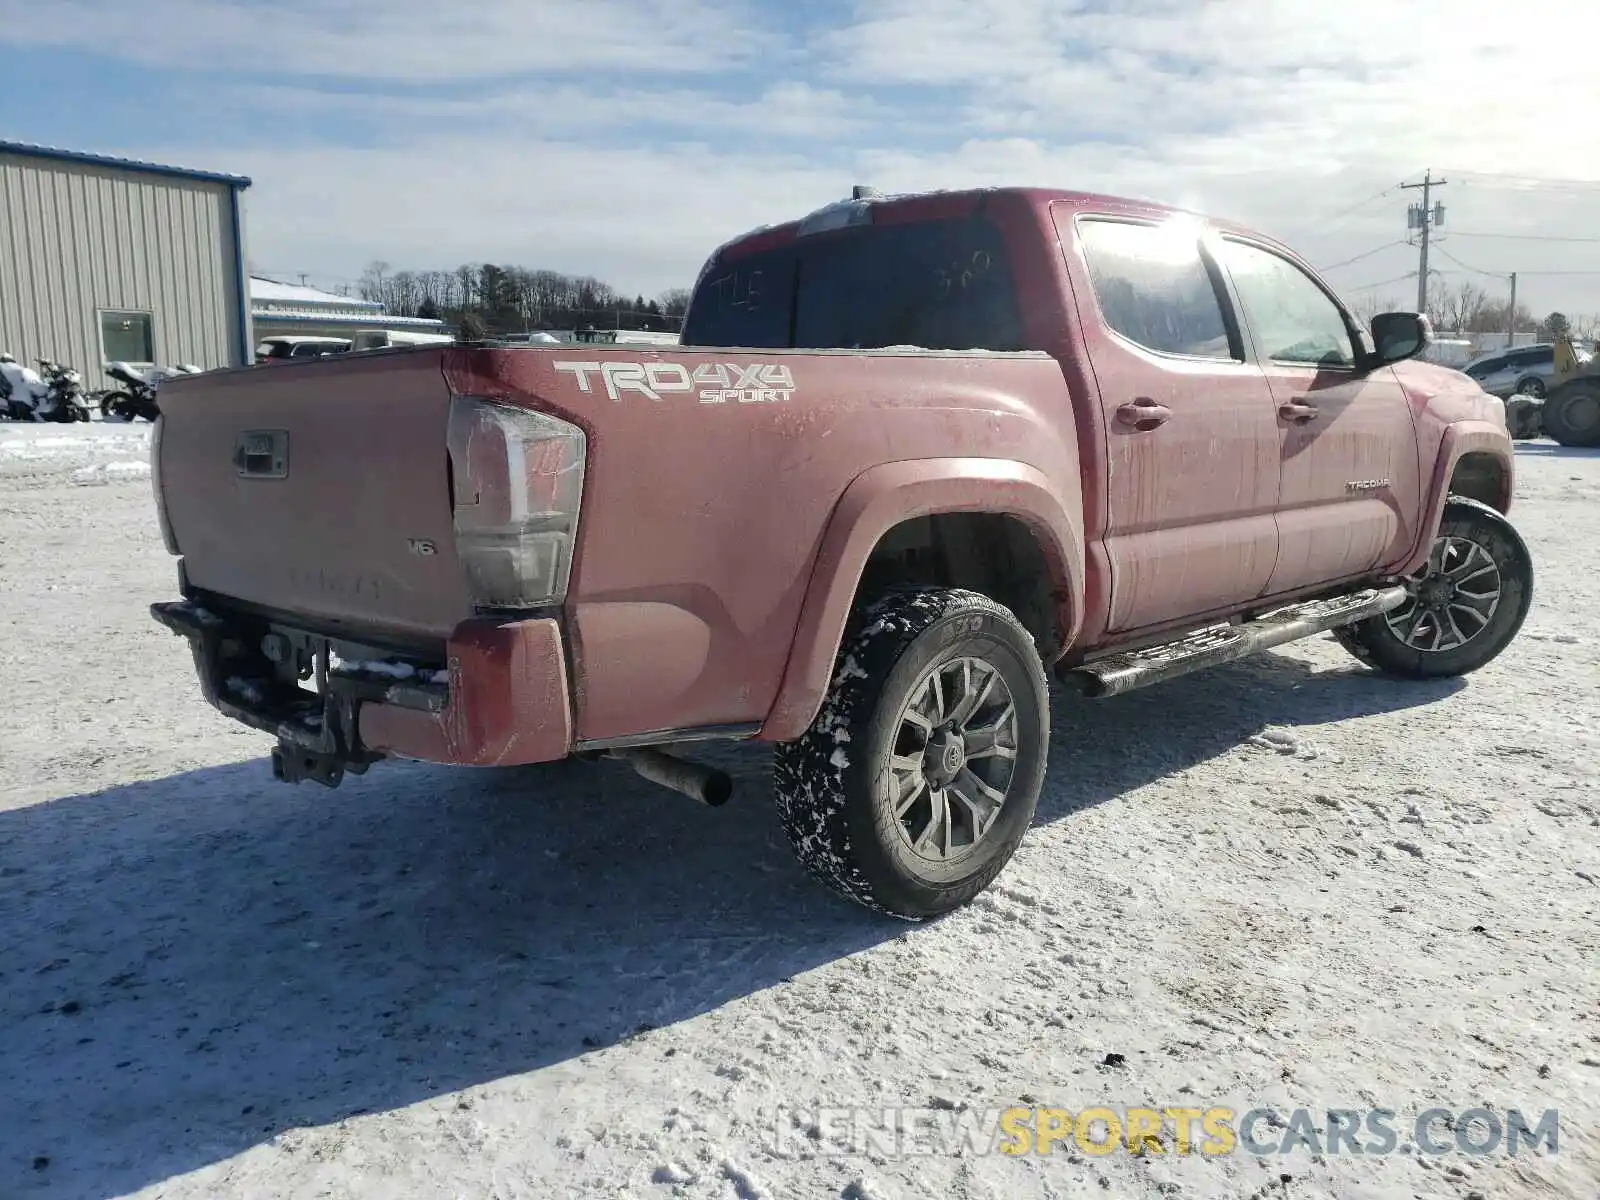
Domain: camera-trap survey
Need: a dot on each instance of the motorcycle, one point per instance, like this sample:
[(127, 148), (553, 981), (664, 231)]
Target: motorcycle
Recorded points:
[(63, 393), (138, 399), (28, 395)]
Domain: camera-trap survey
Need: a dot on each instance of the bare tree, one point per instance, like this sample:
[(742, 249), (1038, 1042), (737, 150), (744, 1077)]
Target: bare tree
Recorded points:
[(674, 301), (373, 281), (1461, 306), (1370, 305)]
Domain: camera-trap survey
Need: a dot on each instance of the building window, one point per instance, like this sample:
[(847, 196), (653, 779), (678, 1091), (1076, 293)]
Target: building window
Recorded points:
[(127, 337)]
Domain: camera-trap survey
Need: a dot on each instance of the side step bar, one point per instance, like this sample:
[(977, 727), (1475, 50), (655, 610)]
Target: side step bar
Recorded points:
[(1120, 673)]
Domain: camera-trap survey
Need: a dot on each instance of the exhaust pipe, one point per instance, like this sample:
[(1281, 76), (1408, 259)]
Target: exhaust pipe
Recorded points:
[(708, 785)]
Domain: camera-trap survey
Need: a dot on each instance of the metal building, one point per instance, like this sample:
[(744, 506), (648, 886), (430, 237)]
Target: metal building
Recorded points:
[(106, 259)]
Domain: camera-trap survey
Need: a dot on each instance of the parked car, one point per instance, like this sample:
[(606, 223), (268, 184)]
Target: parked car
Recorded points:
[(384, 339), (911, 454), (294, 348), (1523, 371)]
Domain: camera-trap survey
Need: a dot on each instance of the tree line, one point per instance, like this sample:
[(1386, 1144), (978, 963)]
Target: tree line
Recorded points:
[(486, 299), (1466, 307)]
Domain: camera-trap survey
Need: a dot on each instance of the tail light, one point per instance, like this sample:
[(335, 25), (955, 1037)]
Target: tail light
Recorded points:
[(168, 538), (517, 477)]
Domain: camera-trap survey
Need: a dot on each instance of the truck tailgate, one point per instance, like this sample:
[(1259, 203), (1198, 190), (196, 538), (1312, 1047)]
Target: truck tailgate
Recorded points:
[(319, 490)]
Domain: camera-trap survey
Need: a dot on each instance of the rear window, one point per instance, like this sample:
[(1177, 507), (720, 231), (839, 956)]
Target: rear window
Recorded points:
[(939, 285)]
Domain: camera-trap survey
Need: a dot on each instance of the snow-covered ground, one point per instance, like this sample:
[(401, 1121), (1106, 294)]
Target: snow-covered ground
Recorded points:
[(1287, 883), (85, 453)]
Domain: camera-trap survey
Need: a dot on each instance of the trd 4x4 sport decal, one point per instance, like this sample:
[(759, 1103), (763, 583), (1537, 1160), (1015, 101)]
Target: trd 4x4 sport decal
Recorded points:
[(715, 383)]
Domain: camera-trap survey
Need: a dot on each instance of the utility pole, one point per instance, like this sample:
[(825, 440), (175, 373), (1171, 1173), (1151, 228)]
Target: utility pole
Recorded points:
[(1424, 217), (1511, 314)]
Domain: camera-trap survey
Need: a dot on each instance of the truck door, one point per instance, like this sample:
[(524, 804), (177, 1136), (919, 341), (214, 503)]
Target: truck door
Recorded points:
[(1349, 489), (1191, 459)]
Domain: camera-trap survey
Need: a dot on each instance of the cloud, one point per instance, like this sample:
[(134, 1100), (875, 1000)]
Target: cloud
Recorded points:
[(640, 217), (627, 137), (404, 40), (785, 110)]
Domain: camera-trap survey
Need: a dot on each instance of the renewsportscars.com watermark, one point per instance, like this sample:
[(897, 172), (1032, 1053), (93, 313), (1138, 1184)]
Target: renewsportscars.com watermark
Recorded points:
[(1178, 1130)]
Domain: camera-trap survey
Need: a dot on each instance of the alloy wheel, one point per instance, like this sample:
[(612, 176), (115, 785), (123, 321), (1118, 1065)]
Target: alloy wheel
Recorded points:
[(1450, 600), (954, 753)]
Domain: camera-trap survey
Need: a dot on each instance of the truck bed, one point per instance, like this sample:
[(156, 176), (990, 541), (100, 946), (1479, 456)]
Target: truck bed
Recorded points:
[(710, 478)]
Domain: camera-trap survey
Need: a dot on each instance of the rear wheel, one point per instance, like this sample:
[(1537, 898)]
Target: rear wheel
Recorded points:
[(1572, 416), (116, 404), (1463, 606), (913, 787)]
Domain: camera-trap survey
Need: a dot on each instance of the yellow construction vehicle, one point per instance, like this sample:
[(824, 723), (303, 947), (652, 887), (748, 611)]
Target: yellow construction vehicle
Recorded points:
[(1571, 410)]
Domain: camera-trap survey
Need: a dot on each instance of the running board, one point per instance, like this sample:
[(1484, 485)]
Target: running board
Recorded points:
[(1119, 673)]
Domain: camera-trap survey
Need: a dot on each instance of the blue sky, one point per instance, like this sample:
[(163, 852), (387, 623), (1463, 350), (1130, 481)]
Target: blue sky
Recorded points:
[(625, 138)]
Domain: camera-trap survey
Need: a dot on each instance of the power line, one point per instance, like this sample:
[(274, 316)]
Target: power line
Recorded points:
[(1523, 237), (1359, 205), (1478, 270), (1528, 181), (1366, 254), (1503, 274), (1367, 287)]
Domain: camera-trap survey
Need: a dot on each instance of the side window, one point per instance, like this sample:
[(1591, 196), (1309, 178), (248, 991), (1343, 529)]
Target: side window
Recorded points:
[(1153, 288), (1294, 320)]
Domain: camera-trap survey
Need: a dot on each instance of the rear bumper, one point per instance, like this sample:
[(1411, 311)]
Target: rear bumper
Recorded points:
[(501, 700)]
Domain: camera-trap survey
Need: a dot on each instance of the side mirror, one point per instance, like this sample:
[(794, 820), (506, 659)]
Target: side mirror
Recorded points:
[(1397, 336)]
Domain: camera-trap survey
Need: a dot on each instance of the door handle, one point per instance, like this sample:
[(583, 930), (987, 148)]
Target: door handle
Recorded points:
[(1143, 415), (1297, 412)]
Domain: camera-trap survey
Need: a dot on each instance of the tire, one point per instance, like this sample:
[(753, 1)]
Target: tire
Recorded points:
[(1572, 415), (111, 404), (836, 786), (1472, 539), (1531, 386)]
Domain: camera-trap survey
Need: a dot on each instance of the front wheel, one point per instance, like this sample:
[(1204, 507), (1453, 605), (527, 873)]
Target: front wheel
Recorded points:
[(1462, 607), (116, 404), (915, 784), (1573, 416), (1532, 386)]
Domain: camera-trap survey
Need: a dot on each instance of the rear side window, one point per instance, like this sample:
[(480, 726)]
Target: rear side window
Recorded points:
[(1153, 288), (1486, 368), (939, 285)]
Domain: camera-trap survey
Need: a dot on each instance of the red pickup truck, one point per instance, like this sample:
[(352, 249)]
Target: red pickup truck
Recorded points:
[(912, 453)]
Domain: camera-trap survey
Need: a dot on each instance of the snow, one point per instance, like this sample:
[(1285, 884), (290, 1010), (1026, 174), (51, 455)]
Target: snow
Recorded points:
[(112, 472), (563, 981), (270, 292), (93, 452), (376, 666)]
